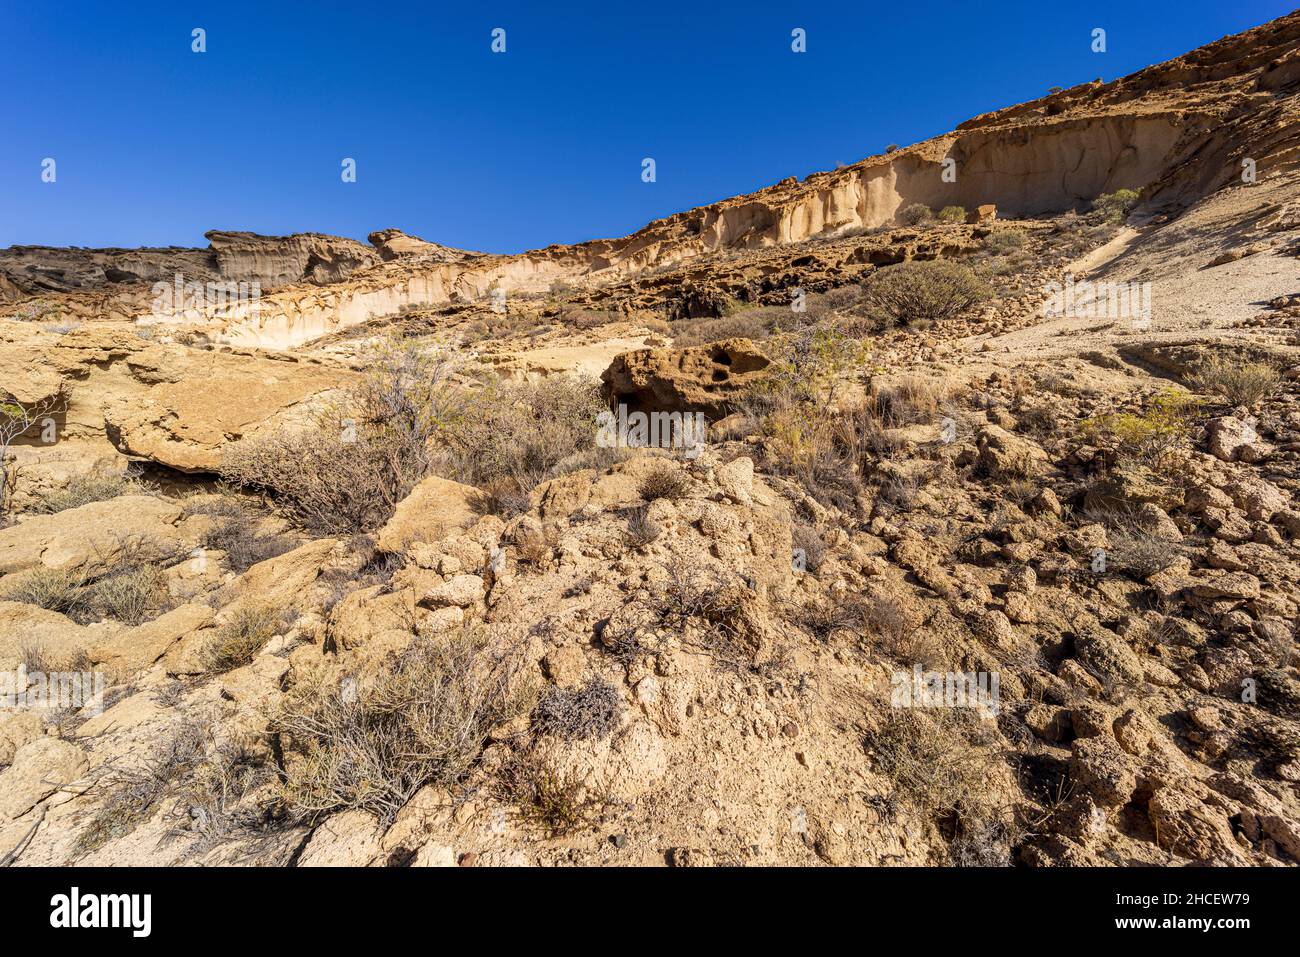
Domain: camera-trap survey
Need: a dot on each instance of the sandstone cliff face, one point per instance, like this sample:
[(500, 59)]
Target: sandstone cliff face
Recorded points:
[(395, 244), (279, 260), (1177, 130)]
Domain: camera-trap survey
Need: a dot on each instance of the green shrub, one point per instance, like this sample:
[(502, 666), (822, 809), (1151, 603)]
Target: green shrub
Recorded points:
[(1150, 436), (952, 214), (1114, 207), (929, 290)]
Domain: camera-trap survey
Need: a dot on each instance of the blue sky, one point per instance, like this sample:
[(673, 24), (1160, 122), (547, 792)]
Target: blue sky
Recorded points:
[(155, 144)]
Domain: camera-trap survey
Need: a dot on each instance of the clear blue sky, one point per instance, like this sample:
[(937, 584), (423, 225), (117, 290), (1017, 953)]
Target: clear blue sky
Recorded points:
[(501, 152)]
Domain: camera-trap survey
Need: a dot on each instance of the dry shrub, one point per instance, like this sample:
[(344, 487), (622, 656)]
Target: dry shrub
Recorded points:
[(696, 593), (915, 214), (807, 540), (64, 591), (665, 480), (591, 712), (912, 400), (521, 434), (553, 801), (1240, 382), (1004, 240), (347, 471), (897, 629), (244, 634), (84, 489), (216, 784), (827, 617), (423, 718), (755, 324), (932, 765), (927, 290), (132, 594), (236, 531), (132, 793), (641, 529), (1130, 545)]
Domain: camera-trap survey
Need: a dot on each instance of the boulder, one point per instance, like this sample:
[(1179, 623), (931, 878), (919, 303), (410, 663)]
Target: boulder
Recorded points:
[(707, 379), (435, 508), (41, 767), (1231, 439), (186, 421), (90, 538), (1002, 453)]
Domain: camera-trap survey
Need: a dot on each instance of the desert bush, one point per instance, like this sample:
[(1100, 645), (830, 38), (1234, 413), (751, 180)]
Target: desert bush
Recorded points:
[(826, 617), (807, 369), (807, 540), (521, 434), (1238, 381), (235, 530), (915, 214), (1114, 207), (349, 469), (211, 780), (1002, 241), (588, 318), (590, 712), (899, 631), (930, 763), (1150, 436), (912, 400), (665, 480), (238, 641), (422, 718), (641, 529), (132, 793), (64, 591), (706, 610), (1130, 544), (132, 594), (931, 290), (756, 324), (17, 420), (84, 489), (554, 801), (951, 214)]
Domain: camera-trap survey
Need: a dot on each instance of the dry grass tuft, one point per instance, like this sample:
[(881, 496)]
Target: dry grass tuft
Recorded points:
[(422, 719)]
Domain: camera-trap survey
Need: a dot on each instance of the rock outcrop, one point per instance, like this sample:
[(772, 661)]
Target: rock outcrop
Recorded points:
[(705, 379)]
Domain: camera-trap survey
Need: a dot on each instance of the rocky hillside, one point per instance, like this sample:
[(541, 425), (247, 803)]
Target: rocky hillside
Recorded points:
[(870, 519)]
